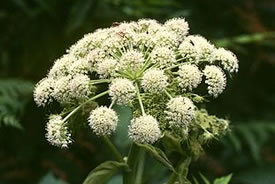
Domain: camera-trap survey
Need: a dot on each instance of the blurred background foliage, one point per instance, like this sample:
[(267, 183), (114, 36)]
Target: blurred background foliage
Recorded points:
[(36, 32)]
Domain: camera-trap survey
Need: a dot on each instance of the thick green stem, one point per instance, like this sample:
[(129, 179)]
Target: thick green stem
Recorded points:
[(129, 177), (113, 149), (140, 167), (172, 178), (139, 100)]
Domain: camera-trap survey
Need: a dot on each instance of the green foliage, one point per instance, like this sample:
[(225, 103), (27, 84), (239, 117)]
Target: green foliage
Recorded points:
[(14, 96), (221, 180), (252, 135), (238, 42), (256, 175), (102, 173), (158, 154)]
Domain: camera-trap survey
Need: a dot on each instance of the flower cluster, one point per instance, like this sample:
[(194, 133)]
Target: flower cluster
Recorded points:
[(133, 62)]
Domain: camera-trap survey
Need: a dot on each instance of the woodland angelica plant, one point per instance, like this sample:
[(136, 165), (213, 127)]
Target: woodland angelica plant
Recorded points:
[(158, 70)]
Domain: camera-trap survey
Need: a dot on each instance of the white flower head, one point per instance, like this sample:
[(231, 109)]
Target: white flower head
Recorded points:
[(122, 91), (165, 38), (62, 90), (154, 81), (144, 129), (143, 39), (95, 56), (215, 79), (180, 111), (228, 59), (89, 42), (61, 66), (58, 133), (100, 35), (131, 60), (79, 67), (103, 121), (113, 44), (148, 26), (43, 91), (80, 87), (189, 77), (107, 67), (179, 26), (203, 47), (125, 31), (187, 50), (163, 56), (82, 46)]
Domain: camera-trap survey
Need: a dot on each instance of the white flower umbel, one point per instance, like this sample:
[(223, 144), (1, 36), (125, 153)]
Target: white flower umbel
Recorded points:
[(180, 111), (62, 90), (43, 91), (154, 81), (103, 121), (228, 59), (61, 66), (107, 68), (131, 60), (135, 62), (163, 56), (122, 91), (215, 79), (79, 87), (58, 133), (203, 47), (179, 26), (144, 129), (189, 77)]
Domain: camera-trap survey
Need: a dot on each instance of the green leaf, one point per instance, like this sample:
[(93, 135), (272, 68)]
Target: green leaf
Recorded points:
[(223, 180), (103, 172), (183, 171), (158, 154), (171, 143)]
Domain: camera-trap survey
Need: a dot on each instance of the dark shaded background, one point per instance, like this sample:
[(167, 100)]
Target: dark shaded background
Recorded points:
[(36, 32)]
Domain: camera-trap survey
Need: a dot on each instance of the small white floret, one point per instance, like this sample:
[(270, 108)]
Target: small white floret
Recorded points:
[(103, 121), (163, 56), (179, 26), (58, 133), (215, 79), (189, 77), (227, 58), (180, 112), (43, 91), (154, 81), (144, 129), (122, 91)]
